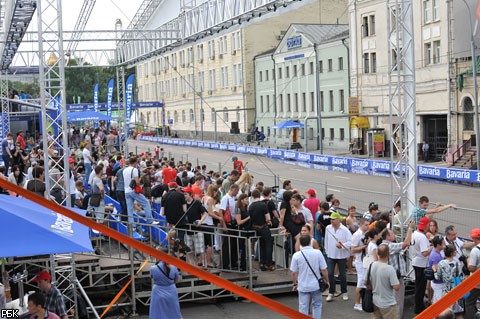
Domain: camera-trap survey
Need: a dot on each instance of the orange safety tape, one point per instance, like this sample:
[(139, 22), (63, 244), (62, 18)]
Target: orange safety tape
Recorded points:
[(216, 280), (451, 297), (114, 300)]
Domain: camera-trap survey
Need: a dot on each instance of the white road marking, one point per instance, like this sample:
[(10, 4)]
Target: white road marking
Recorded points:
[(343, 177), (335, 190)]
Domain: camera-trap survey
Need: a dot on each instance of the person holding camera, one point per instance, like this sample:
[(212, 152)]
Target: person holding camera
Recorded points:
[(310, 277), (452, 239)]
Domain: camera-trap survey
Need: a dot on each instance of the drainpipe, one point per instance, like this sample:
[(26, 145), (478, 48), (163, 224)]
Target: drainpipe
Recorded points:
[(319, 113), (449, 78), (274, 93), (348, 70)]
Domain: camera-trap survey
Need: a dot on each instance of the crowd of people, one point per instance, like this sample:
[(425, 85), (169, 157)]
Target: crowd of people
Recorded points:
[(212, 215)]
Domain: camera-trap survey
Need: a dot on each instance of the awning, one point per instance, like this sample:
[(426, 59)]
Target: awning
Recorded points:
[(359, 122)]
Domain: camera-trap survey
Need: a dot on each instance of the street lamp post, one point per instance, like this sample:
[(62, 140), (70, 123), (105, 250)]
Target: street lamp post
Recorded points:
[(475, 86)]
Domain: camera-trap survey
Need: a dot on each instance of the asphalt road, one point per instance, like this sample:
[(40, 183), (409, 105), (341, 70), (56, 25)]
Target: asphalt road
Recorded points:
[(350, 188)]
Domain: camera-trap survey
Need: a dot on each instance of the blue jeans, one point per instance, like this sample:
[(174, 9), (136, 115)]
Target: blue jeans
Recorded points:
[(342, 274), (304, 303), (88, 171), (142, 201)]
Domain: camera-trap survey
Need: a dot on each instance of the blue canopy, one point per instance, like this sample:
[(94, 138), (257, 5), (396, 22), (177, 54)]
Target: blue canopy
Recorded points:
[(87, 116), (287, 125), (29, 229)]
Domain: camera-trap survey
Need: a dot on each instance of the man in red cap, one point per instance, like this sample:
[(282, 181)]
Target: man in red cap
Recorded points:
[(473, 265), (421, 251), (53, 297), (312, 203)]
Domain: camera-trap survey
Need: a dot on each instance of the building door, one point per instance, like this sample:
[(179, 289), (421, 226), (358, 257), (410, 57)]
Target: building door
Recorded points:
[(436, 135), (295, 135)]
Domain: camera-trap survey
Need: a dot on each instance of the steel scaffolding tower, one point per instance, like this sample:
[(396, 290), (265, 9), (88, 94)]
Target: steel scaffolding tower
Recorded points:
[(401, 75), (5, 105), (82, 20)]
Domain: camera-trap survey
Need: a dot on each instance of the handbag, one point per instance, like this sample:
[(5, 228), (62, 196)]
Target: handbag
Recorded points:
[(298, 219), (457, 280), (133, 182), (367, 293), (429, 273), (321, 283), (95, 199), (227, 217)]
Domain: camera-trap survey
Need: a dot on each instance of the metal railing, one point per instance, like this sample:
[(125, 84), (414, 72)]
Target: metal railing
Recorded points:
[(460, 152)]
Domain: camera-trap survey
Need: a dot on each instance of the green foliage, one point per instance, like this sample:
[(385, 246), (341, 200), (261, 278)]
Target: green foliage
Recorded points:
[(80, 81), (32, 87)]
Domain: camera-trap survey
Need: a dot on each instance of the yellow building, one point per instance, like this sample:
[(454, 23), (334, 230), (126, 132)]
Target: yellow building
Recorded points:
[(214, 75)]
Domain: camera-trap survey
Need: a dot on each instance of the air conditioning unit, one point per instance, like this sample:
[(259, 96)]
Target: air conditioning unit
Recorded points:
[(210, 92), (234, 52), (220, 56)]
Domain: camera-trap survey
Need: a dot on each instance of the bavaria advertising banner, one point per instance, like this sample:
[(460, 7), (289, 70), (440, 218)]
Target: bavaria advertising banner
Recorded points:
[(95, 102), (109, 100), (129, 101)]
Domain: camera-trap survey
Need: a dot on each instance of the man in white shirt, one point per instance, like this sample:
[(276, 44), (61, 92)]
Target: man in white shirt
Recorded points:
[(129, 173), (421, 251), (337, 241), (473, 266), (87, 160), (357, 246), (298, 208), (229, 244), (304, 280), (451, 238)]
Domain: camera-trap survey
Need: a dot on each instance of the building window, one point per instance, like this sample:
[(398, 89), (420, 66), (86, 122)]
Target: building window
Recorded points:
[(260, 76), (342, 100), (310, 133), (322, 104), (213, 115), (175, 117), (238, 115), (342, 134), (184, 118), (373, 62), (295, 70), (225, 115), (320, 66), (330, 65), (268, 103), (304, 102), (261, 104), (289, 105), (281, 102), (436, 52), (200, 53), (212, 80), (468, 115), (295, 102), (287, 72), (340, 63), (311, 68), (427, 11), (312, 102), (323, 133), (202, 115), (436, 10), (332, 134), (368, 25), (266, 75), (279, 73), (330, 100), (303, 69), (366, 63), (428, 53), (192, 116)]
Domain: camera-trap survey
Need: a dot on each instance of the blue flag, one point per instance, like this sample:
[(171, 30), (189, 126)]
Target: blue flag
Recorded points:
[(95, 102), (129, 102), (109, 100)]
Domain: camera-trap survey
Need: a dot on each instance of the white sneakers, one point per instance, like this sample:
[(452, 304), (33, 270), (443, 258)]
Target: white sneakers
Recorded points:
[(330, 297), (345, 297), (358, 307)]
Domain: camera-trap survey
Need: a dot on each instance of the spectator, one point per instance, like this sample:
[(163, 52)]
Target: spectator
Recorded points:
[(432, 229), (384, 282), (229, 244), (312, 203), (358, 247), (421, 251), (36, 307), (473, 265), (229, 181), (7, 151), (422, 209), (305, 279), (53, 297), (238, 165), (434, 259), (16, 176), (174, 208), (164, 300), (260, 218)]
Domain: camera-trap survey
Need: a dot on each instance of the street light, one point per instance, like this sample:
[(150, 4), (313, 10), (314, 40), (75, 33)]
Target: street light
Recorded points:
[(475, 86)]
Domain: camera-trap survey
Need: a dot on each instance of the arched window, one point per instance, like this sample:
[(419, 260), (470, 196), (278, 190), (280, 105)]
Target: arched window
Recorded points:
[(183, 116), (175, 117), (468, 116), (225, 114), (192, 116)]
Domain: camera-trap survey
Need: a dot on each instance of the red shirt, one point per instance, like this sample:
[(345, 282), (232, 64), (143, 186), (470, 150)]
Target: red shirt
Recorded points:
[(21, 141), (169, 175), (196, 190), (238, 166), (312, 204)]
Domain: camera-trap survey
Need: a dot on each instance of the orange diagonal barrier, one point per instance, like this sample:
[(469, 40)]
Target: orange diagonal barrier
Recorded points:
[(216, 280), (451, 297), (114, 300)]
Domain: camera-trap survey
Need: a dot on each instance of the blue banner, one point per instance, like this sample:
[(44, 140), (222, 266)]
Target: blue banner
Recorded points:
[(95, 102), (109, 100), (338, 163), (129, 101)]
